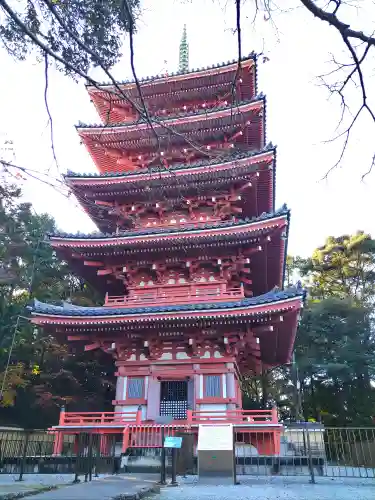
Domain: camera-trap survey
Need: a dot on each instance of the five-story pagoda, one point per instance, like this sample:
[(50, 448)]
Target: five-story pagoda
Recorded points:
[(191, 252)]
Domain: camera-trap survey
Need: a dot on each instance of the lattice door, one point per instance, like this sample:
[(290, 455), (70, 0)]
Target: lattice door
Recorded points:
[(173, 399)]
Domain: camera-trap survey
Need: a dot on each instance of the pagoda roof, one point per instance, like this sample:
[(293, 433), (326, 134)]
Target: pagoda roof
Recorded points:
[(205, 113), (227, 159), (247, 225), (115, 102), (277, 298), (110, 144), (193, 72), (151, 185)]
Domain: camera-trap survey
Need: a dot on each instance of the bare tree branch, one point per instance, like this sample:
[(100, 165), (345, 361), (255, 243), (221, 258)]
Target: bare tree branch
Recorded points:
[(125, 6), (90, 80), (370, 168), (39, 43), (239, 47), (349, 36), (48, 110), (332, 19)]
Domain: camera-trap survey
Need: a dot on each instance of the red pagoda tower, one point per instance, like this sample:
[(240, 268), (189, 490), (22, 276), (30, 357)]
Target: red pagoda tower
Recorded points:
[(191, 252)]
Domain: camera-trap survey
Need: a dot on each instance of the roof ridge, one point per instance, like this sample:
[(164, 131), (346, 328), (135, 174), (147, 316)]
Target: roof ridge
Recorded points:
[(147, 79), (283, 210)]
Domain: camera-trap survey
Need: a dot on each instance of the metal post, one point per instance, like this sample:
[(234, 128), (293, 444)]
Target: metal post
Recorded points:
[(309, 456), (89, 458), (24, 454), (113, 456), (174, 467), (296, 391), (162, 469), (235, 481), (77, 453), (62, 415)]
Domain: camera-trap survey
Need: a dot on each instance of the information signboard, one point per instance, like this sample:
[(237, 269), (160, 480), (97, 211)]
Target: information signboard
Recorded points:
[(172, 442), (215, 437)]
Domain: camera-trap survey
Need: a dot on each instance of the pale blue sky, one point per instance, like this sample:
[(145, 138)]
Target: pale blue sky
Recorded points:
[(299, 116)]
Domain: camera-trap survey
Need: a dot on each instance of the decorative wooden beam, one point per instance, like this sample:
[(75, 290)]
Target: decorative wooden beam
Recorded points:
[(93, 263), (104, 203), (104, 272), (113, 152), (91, 347), (246, 280), (263, 328)]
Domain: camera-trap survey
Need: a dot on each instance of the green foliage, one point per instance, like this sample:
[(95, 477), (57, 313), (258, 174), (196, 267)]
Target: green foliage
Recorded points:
[(335, 352), (43, 374), (343, 267), (335, 348), (333, 378), (271, 388), (99, 24)]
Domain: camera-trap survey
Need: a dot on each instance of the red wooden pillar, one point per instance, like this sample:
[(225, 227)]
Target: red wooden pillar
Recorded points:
[(275, 417), (277, 442), (58, 443), (153, 398), (266, 442), (125, 439)]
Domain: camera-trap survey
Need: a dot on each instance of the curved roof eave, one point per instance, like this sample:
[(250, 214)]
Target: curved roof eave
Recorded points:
[(150, 233), (275, 298), (71, 176), (204, 113)]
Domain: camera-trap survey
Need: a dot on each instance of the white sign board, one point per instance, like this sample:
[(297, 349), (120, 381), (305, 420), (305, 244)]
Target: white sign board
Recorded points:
[(215, 437)]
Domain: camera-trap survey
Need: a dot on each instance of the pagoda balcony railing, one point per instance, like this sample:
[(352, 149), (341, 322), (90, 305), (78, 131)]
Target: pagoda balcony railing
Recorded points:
[(192, 223), (124, 418), (168, 294)]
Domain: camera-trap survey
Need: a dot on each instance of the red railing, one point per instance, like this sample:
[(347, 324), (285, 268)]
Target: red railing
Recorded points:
[(177, 295), (151, 435), (233, 416), (126, 418), (192, 223), (100, 418)]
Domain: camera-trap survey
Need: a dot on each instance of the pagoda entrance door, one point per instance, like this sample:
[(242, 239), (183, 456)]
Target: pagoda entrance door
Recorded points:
[(174, 399)]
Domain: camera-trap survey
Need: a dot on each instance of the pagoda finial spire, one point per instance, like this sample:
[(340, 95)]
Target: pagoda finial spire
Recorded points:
[(184, 52)]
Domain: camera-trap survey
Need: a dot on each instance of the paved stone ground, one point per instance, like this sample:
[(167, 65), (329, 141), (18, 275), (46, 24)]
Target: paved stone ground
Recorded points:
[(251, 488), (102, 488), (9, 483), (275, 488)]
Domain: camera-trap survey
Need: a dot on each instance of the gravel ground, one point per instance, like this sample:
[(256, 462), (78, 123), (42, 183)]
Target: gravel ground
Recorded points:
[(275, 488)]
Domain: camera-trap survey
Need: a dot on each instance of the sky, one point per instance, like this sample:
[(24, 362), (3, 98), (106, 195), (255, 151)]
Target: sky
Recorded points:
[(300, 116)]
